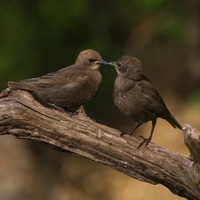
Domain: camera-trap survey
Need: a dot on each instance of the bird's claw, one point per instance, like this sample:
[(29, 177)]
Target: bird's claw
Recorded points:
[(145, 141), (140, 136)]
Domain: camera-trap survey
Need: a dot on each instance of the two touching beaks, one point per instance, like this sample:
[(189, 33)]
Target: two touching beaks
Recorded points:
[(103, 62)]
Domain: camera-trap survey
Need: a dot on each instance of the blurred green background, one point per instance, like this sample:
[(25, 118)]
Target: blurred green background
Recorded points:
[(38, 37)]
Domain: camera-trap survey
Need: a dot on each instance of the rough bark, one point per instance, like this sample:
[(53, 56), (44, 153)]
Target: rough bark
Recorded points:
[(24, 117)]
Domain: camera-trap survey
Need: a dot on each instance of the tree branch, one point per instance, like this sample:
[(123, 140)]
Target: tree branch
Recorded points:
[(24, 117)]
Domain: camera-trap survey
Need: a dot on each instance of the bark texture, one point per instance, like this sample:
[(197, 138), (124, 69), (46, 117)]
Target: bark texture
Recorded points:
[(24, 117)]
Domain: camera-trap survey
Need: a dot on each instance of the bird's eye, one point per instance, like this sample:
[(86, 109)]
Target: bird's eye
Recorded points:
[(119, 64), (91, 60)]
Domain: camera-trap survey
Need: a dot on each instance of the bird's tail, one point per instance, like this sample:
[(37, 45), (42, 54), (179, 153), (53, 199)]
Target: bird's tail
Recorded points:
[(172, 121), (19, 85)]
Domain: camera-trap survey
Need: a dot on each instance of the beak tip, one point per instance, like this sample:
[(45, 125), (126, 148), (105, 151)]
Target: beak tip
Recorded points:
[(111, 64), (102, 62)]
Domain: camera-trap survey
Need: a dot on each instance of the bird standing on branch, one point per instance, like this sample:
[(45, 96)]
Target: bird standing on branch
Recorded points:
[(70, 86), (135, 96)]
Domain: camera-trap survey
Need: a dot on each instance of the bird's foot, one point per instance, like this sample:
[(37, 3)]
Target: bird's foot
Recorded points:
[(145, 141)]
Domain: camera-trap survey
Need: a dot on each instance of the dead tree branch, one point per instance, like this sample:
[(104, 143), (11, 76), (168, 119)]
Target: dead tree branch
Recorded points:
[(22, 116)]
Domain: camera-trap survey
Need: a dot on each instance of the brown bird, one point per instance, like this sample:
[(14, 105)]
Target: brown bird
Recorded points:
[(135, 96), (70, 86)]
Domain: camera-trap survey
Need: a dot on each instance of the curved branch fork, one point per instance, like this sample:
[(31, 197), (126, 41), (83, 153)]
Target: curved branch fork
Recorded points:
[(24, 117), (192, 141)]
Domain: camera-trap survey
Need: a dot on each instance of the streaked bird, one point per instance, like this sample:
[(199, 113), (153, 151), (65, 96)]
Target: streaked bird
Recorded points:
[(135, 96), (70, 86)]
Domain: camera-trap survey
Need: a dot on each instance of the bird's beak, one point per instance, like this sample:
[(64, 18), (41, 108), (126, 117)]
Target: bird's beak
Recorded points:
[(112, 64), (102, 62)]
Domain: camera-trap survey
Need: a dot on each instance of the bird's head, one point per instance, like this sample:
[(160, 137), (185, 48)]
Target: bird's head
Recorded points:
[(128, 67), (90, 58)]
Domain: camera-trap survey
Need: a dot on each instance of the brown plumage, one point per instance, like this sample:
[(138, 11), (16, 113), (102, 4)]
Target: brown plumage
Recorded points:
[(70, 86), (135, 96)]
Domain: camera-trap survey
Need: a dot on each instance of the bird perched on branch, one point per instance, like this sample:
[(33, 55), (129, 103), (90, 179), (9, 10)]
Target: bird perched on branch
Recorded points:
[(135, 96), (70, 86)]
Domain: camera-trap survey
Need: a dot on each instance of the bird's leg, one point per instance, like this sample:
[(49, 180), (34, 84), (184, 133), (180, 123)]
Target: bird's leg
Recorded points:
[(131, 133), (147, 140), (138, 125)]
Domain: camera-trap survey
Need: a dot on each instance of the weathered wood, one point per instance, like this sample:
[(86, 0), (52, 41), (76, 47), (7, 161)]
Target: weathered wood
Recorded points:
[(22, 116), (192, 141)]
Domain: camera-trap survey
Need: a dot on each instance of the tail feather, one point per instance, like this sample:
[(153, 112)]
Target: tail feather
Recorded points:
[(172, 121)]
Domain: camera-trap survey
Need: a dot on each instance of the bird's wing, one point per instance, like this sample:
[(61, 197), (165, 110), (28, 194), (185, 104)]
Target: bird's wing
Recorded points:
[(69, 75), (155, 103), (150, 92), (46, 79)]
